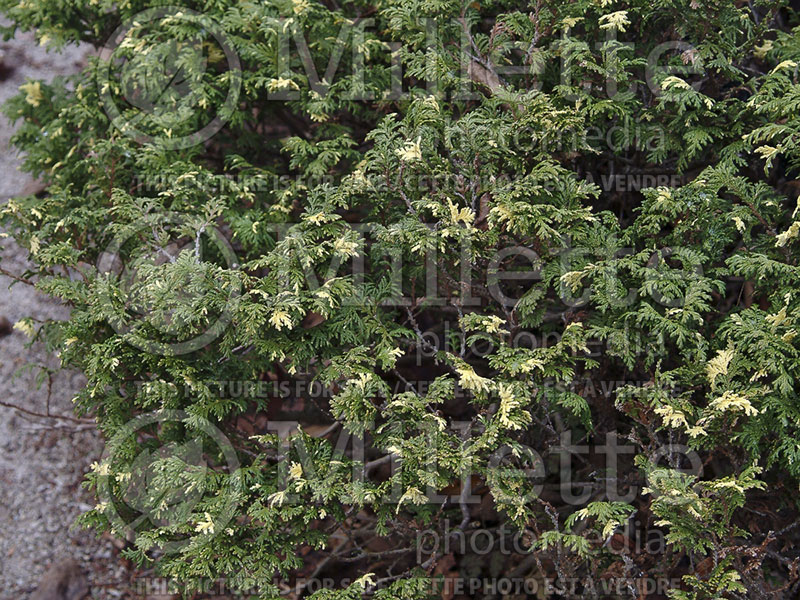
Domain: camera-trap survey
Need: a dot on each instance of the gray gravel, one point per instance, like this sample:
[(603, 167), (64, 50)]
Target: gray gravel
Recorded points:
[(42, 461)]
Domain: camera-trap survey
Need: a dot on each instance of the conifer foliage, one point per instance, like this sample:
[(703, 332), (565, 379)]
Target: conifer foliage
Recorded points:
[(352, 281)]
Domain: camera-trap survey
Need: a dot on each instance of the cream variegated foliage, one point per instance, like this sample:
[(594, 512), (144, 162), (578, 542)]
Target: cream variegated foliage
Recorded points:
[(442, 242)]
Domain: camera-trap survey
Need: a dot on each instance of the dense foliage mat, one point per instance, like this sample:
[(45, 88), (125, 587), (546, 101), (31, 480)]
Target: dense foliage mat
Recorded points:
[(365, 290)]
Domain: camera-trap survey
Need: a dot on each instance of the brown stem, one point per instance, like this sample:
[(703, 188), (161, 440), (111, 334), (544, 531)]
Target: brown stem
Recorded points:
[(43, 415)]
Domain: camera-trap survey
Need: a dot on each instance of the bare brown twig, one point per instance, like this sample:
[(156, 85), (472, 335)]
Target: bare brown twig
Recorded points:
[(44, 415)]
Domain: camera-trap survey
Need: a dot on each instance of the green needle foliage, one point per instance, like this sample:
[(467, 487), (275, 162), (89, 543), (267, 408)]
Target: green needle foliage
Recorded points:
[(485, 230)]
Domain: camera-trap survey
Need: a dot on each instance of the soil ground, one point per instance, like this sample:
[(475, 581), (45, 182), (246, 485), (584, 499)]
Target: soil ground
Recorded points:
[(42, 461)]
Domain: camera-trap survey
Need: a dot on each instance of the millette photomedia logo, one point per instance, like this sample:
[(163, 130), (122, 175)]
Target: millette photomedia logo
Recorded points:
[(164, 470), (169, 76)]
